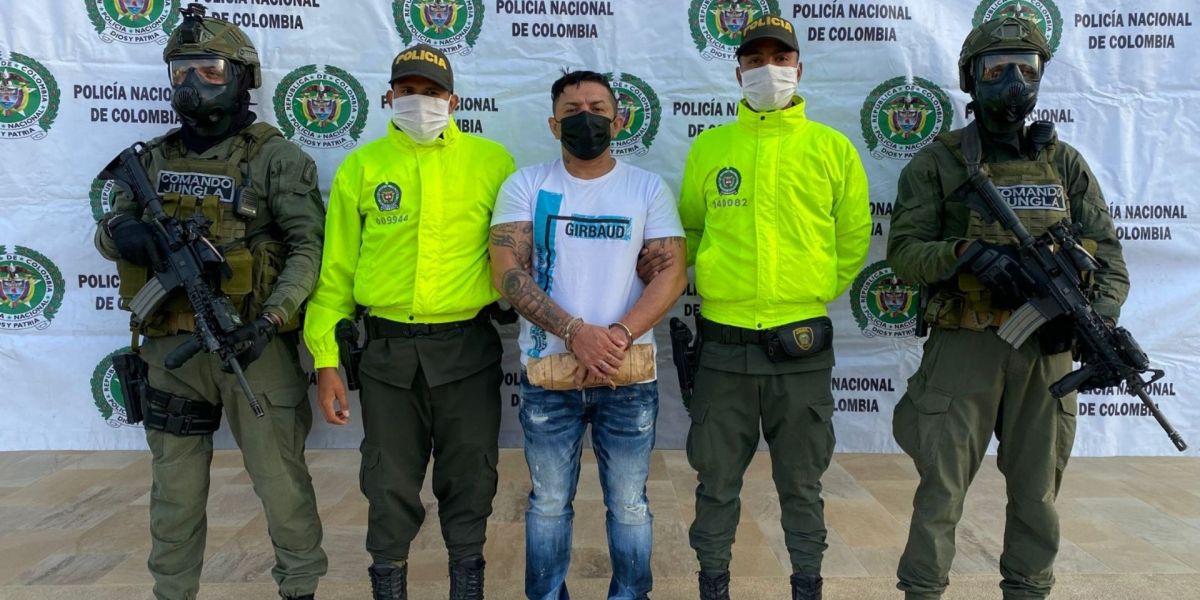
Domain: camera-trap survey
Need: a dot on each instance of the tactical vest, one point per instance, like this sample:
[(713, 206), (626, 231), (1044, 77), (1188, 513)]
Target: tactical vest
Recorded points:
[(1035, 191), (222, 191)]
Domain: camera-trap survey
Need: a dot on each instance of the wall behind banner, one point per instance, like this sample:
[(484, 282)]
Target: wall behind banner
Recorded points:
[(79, 80)]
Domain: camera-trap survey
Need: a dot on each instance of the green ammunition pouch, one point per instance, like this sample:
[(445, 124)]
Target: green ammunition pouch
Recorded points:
[(953, 308), (220, 191), (267, 259)]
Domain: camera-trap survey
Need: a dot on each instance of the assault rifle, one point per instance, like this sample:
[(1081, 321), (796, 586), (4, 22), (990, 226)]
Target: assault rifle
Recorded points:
[(1054, 262), (183, 258)]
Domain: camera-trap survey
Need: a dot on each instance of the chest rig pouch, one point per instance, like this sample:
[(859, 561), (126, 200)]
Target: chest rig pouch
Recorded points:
[(1033, 188), (220, 190)]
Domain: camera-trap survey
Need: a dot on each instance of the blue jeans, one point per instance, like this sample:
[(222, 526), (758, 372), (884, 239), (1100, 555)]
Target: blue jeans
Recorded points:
[(622, 437)]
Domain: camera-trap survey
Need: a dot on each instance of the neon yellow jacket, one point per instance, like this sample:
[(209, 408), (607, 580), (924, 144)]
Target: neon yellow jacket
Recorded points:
[(406, 234), (777, 217)]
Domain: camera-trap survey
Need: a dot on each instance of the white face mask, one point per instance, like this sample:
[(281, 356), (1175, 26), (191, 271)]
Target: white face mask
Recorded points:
[(422, 117), (769, 87)]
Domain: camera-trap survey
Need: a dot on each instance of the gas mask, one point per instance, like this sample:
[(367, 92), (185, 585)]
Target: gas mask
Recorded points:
[(1006, 89), (207, 93)]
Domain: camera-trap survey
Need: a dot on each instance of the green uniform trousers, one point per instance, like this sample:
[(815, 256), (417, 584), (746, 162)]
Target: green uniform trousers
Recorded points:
[(273, 454), (736, 389), (437, 393), (969, 385)]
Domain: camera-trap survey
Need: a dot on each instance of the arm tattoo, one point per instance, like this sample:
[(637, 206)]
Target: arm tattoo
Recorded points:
[(519, 288), (667, 243), (517, 284), (518, 238)]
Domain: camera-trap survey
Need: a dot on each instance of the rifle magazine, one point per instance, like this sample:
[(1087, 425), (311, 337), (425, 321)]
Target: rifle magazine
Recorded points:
[(1024, 322)]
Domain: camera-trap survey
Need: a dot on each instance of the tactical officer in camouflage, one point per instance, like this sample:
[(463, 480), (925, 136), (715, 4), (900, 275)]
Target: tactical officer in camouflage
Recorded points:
[(260, 192), (971, 383)]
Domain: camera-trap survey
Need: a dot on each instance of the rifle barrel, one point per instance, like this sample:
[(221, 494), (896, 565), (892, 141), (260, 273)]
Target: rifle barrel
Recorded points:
[(1176, 439), (233, 364)]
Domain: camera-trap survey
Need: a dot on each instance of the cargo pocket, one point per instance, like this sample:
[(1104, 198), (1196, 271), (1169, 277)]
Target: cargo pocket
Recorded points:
[(489, 476), (286, 397), (370, 462), (290, 417), (822, 411), (904, 416), (931, 409), (1068, 409)]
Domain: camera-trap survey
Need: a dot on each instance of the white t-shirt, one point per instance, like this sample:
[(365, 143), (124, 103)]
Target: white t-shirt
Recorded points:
[(587, 234)]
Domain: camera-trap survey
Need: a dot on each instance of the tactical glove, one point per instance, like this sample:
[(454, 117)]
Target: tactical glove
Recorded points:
[(134, 239), (998, 268), (253, 338)]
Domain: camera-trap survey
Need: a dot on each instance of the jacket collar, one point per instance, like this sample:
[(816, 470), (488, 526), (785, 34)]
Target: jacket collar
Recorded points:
[(777, 121), (449, 136)]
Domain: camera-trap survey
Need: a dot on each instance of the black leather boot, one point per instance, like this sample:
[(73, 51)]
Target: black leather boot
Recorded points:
[(304, 597), (466, 579), (806, 587), (714, 585), (389, 582)]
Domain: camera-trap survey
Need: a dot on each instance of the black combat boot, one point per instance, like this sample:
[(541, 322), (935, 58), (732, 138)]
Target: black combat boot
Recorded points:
[(389, 582), (714, 585), (806, 587), (466, 578), (304, 597)]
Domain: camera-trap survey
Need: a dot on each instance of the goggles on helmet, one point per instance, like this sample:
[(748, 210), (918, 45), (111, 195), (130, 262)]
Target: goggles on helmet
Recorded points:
[(211, 69), (992, 67)]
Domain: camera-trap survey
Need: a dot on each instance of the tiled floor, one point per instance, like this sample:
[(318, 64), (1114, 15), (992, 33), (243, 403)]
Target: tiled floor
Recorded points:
[(73, 525)]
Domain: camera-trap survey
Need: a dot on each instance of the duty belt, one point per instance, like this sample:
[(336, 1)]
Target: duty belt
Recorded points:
[(728, 334), (378, 328)]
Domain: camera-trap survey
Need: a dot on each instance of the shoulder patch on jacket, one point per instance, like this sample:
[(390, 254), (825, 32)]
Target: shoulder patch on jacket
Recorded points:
[(309, 176)]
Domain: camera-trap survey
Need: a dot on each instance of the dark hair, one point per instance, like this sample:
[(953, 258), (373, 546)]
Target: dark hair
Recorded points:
[(577, 78)]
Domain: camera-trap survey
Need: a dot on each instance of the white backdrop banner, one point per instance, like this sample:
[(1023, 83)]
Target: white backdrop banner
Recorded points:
[(82, 79)]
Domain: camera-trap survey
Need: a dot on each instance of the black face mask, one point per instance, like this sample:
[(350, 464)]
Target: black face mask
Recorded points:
[(586, 135), (1004, 103), (208, 110)]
